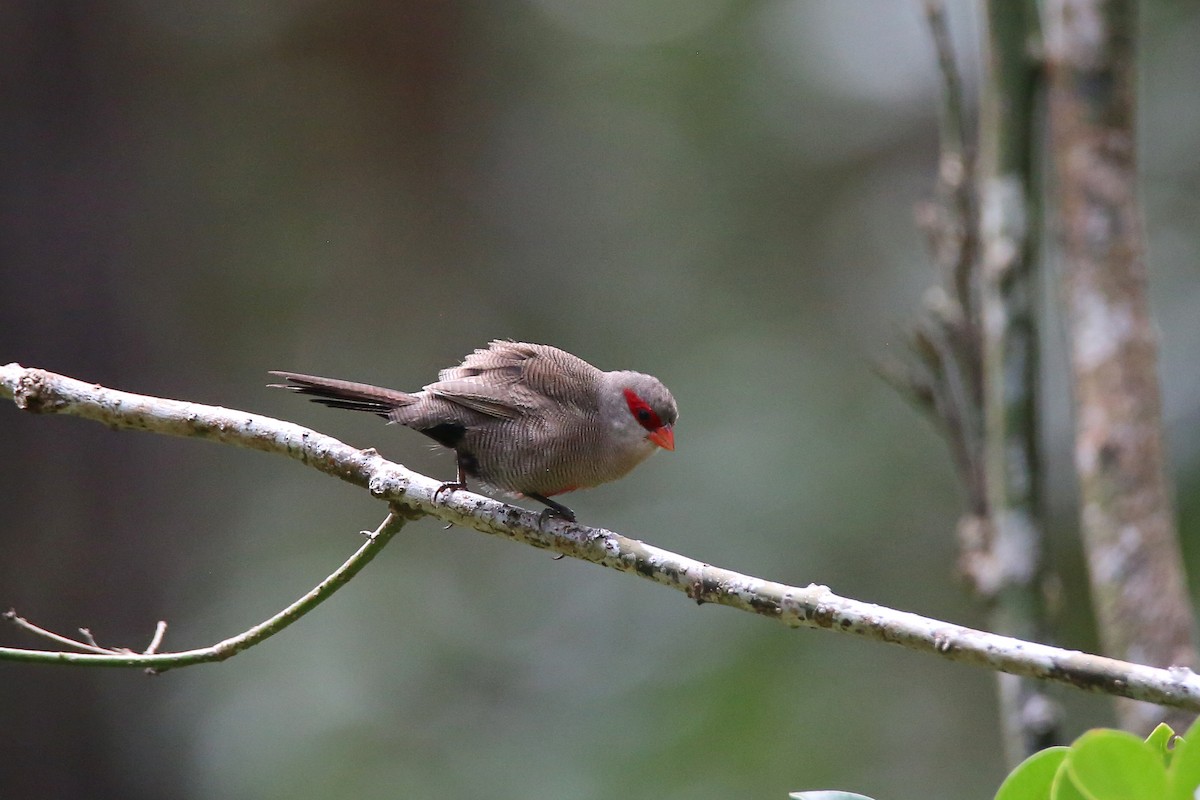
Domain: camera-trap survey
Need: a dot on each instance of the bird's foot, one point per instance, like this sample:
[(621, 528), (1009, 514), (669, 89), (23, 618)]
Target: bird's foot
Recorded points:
[(448, 486), (552, 509), (549, 513)]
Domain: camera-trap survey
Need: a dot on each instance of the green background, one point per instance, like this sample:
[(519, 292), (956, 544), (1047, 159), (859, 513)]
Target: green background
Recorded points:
[(719, 193)]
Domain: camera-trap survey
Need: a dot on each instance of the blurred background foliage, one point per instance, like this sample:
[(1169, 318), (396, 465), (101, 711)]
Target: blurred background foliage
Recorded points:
[(715, 192)]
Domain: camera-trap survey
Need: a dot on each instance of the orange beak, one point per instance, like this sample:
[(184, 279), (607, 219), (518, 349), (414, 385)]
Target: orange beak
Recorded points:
[(664, 437)]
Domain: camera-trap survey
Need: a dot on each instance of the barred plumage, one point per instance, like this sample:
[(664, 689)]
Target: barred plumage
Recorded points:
[(524, 418)]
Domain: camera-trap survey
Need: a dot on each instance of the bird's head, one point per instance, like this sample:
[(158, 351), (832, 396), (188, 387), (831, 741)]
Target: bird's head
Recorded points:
[(642, 408)]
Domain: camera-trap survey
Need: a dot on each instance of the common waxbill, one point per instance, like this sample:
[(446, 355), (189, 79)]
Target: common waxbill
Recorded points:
[(523, 418)]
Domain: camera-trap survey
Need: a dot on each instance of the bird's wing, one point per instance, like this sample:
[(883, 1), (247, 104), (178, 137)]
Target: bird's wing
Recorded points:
[(495, 401), (511, 379)]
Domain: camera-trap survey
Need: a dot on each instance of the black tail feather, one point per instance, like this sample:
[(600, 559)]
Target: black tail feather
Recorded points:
[(344, 394)]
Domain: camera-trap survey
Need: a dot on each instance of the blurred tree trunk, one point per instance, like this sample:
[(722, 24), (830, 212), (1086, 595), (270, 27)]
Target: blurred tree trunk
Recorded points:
[(1013, 573), (1127, 520)]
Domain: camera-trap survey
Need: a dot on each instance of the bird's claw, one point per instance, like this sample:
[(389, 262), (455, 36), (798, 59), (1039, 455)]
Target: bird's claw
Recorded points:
[(547, 513), (448, 486), (552, 509)]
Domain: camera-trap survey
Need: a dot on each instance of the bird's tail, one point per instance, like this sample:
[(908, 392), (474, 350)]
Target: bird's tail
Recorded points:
[(345, 394)]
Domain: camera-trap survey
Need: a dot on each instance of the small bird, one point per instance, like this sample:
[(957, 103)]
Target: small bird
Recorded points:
[(527, 419)]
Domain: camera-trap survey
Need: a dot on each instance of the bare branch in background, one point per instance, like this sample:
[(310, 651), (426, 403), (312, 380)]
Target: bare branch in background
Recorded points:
[(943, 377)]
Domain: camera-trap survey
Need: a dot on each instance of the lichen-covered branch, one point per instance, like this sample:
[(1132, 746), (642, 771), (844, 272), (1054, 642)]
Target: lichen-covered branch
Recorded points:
[(1127, 519), (813, 606)]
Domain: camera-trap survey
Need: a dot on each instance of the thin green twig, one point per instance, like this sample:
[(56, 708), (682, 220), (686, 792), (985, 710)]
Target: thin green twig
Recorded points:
[(160, 662)]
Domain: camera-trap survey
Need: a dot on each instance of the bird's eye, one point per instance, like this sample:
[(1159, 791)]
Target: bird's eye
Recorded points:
[(642, 412)]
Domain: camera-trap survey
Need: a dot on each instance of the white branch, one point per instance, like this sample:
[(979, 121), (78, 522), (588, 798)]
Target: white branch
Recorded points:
[(38, 391)]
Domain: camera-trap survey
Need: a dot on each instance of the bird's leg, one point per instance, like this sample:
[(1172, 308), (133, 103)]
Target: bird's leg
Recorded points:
[(553, 509)]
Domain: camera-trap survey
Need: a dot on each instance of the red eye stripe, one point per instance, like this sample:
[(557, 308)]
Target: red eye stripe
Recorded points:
[(642, 411)]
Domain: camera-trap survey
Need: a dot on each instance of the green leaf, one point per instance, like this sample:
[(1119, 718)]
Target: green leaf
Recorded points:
[(827, 795), (1033, 777), (1184, 775), (1064, 788), (1160, 739), (1115, 765)]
